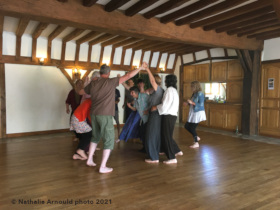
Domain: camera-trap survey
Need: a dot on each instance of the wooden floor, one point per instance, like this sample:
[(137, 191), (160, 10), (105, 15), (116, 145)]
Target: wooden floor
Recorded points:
[(224, 173)]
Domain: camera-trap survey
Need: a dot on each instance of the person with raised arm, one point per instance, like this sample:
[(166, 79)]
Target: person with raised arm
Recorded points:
[(102, 92)]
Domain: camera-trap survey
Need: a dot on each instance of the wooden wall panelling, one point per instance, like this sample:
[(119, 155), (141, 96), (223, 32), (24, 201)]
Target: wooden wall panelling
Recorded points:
[(233, 117), (206, 122), (271, 71), (2, 102), (234, 92), (189, 73), (217, 115), (187, 91), (202, 72), (185, 113), (219, 72), (235, 71)]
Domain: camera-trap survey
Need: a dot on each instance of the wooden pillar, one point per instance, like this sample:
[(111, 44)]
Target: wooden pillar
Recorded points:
[(2, 101), (251, 63)]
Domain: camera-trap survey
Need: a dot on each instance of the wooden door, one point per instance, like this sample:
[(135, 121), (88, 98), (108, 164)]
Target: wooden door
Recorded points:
[(271, 71), (185, 113), (187, 91), (202, 72), (219, 72), (235, 70)]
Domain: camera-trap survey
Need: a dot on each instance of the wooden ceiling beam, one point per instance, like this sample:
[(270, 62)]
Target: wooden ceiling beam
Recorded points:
[(186, 10), (114, 4), (209, 11), (146, 48), (136, 26), (101, 39), (88, 37), (232, 13), (164, 8), (137, 44), (38, 31), (140, 5), (255, 27), (73, 35), (276, 6), (253, 21), (22, 26), (89, 3), (239, 18), (114, 41), (265, 34), (127, 42), (56, 32), (260, 30)]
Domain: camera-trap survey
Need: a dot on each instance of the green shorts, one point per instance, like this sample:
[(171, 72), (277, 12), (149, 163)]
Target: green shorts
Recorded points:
[(103, 128)]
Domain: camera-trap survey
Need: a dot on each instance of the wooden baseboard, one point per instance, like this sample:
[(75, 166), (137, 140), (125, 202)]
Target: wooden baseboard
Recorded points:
[(36, 133)]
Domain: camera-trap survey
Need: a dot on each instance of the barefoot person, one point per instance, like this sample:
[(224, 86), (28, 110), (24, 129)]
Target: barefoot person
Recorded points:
[(153, 131), (102, 93), (196, 112), (168, 109), (80, 123)]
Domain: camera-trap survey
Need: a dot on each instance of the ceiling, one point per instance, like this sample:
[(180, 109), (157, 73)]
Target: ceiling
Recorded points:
[(228, 21)]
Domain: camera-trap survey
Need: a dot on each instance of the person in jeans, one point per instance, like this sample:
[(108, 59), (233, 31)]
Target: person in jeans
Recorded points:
[(196, 112)]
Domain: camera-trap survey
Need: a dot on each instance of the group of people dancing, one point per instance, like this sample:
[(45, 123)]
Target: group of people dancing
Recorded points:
[(150, 114)]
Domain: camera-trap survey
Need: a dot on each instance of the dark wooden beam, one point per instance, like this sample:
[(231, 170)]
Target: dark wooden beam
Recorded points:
[(164, 8), (114, 4), (73, 34), (2, 101), (232, 13), (67, 76), (114, 41), (112, 56), (208, 12), (255, 27), (101, 56), (38, 31), (265, 35), (101, 39), (252, 21), (137, 44), (276, 6), (131, 60), (239, 18), (89, 54), (88, 37), (140, 5), (158, 61), (127, 42), (77, 54), (186, 10), (1, 35), (89, 3), (56, 32), (251, 91), (20, 30), (120, 24)]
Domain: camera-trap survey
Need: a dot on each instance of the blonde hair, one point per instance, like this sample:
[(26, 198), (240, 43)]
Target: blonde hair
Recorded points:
[(157, 79), (196, 85)]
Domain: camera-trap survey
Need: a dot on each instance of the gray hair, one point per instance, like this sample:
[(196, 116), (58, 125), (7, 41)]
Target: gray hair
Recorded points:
[(95, 74), (104, 69)]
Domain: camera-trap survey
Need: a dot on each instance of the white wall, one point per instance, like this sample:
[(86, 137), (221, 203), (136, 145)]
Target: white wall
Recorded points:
[(35, 98), (271, 49)]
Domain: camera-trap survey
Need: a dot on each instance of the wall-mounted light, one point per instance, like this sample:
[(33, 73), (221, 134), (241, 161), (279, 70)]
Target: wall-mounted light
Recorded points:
[(135, 67), (76, 74), (161, 69), (41, 60)]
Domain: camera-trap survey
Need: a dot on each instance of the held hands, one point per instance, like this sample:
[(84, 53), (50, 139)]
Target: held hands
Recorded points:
[(67, 111)]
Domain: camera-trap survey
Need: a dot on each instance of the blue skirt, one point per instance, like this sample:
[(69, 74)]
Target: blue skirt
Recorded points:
[(131, 127)]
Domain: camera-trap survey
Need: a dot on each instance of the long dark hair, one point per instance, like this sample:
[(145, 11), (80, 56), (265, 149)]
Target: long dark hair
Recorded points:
[(171, 81)]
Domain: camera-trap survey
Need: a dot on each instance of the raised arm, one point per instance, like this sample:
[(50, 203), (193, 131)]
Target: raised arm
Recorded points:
[(125, 86), (152, 79), (132, 73)]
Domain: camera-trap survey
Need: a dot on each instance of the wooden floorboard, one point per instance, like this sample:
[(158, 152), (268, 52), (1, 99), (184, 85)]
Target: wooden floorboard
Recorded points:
[(224, 173)]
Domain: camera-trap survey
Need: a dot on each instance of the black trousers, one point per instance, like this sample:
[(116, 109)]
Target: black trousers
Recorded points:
[(169, 146), (191, 127), (142, 133), (84, 140)]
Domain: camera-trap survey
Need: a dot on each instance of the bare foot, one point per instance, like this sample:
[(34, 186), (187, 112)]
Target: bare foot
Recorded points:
[(198, 138), (105, 170), (118, 140), (151, 161), (97, 148), (75, 139), (77, 157), (171, 161), (81, 153), (195, 145), (179, 153), (90, 163)]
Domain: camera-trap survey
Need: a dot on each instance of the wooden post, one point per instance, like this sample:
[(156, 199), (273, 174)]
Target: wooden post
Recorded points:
[(2, 101), (251, 64)]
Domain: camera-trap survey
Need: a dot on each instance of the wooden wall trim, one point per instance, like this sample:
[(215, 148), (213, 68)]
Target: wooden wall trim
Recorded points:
[(207, 59), (12, 135), (2, 102)]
